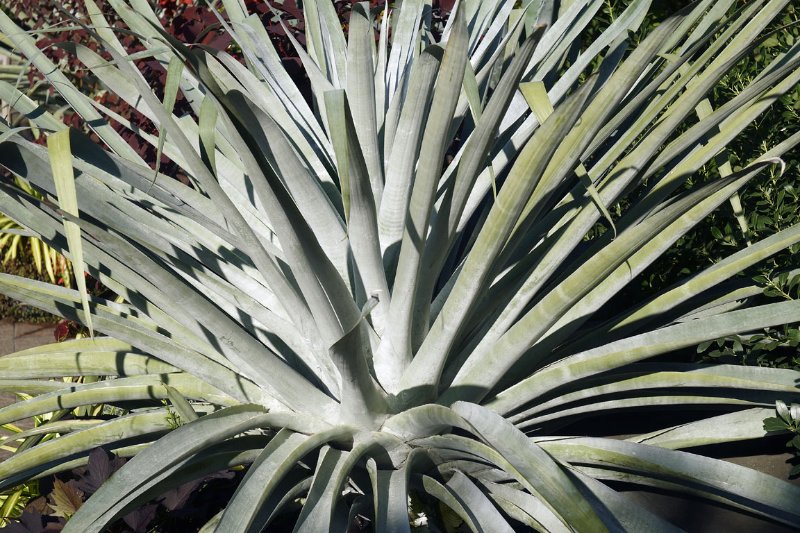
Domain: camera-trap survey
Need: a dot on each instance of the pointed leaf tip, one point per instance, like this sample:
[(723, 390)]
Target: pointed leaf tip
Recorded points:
[(60, 152)]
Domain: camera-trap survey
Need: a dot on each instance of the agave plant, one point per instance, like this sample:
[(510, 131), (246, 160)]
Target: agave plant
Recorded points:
[(404, 289)]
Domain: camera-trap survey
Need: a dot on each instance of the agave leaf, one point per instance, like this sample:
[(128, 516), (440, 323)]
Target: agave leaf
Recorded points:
[(33, 169), (708, 384), (729, 296), (27, 107), (333, 469), (102, 356), (222, 456), (53, 428), (189, 87), (534, 465), (427, 364), (380, 58), (361, 95), (553, 56), (555, 42), (706, 279), (69, 396), (731, 427), (475, 152), (174, 70), (702, 79), (639, 347), (725, 169), (495, 25), (121, 268), (317, 210), (111, 169), (684, 108), (61, 162), (598, 110), (404, 35), (321, 510), (627, 21), (401, 155), (361, 210), (643, 257), (302, 123), (423, 420), (448, 497), (167, 453), (326, 40), (472, 92), (631, 517), (729, 129), (289, 494), (143, 336), (710, 12), (113, 77), (181, 292), (714, 479), (390, 490), (528, 508), (185, 412), (531, 328), (317, 279), (395, 349), (46, 454), (362, 398), (195, 165), (484, 516), (29, 386), (673, 401), (247, 510), (101, 26), (9, 132)]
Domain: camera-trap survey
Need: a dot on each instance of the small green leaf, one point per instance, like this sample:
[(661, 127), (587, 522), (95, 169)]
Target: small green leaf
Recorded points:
[(771, 42), (774, 424), (783, 411)]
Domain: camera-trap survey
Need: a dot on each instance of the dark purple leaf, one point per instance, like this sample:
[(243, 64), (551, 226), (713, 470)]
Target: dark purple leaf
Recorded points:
[(139, 519), (177, 497), (29, 522), (98, 470)]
